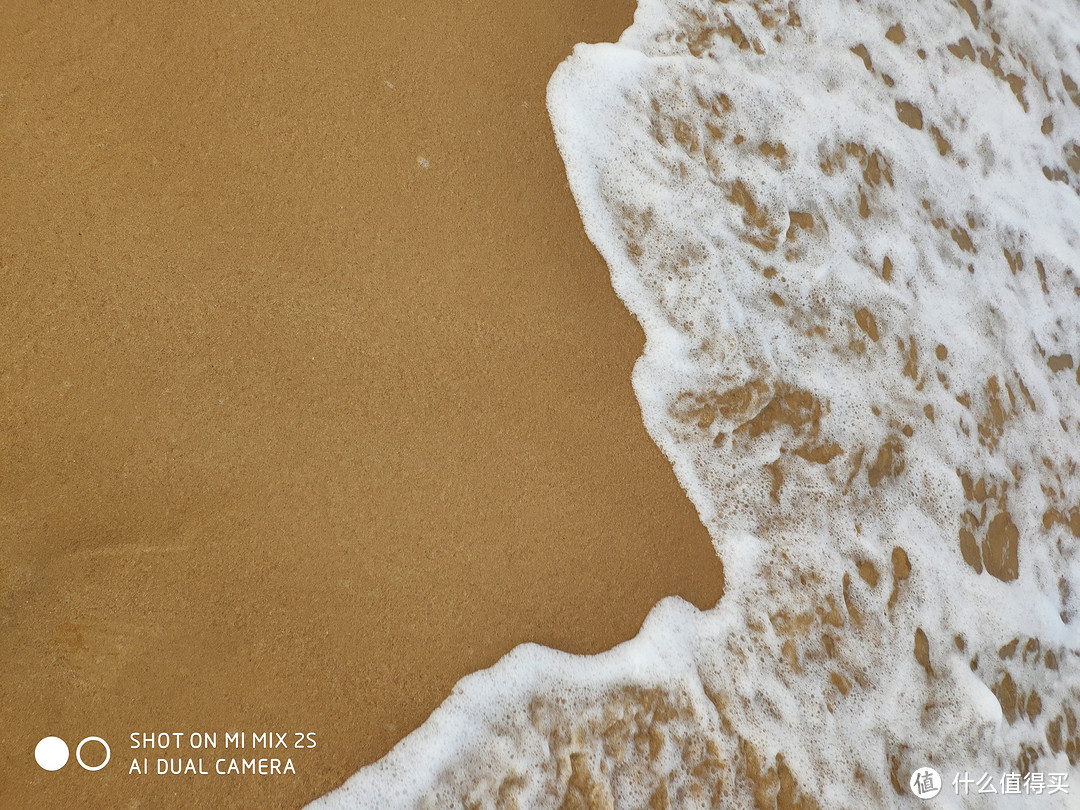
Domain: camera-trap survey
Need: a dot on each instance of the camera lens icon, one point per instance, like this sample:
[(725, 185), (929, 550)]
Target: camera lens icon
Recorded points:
[(52, 753)]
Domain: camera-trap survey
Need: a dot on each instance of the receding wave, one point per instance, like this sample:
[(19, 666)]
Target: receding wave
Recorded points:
[(851, 232)]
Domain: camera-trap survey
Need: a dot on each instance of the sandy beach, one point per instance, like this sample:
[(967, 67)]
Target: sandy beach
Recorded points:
[(309, 385)]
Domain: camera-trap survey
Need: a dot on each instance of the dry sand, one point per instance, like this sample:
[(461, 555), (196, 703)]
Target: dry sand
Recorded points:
[(294, 431)]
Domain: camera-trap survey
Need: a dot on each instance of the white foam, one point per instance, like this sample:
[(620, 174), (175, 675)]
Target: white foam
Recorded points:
[(890, 519)]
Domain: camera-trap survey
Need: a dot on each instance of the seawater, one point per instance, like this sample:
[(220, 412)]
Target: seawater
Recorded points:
[(851, 233)]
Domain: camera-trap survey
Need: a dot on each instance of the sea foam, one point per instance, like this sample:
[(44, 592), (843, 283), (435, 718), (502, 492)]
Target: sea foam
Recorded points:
[(851, 233)]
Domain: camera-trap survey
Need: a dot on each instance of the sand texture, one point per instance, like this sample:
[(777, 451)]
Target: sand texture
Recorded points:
[(314, 396)]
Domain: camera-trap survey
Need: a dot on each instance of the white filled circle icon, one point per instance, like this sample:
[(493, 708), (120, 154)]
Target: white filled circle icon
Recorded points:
[(51, 753), (926, 783)]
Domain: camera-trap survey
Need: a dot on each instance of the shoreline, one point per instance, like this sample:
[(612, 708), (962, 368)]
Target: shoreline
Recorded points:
[(296, 430)]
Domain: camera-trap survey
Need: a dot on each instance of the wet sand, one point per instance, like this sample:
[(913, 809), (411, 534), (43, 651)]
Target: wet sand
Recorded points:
[(295, 431)]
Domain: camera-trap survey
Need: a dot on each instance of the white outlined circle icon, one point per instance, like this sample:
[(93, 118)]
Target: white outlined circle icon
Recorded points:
[(51, 753), (926, 783), (104, 762)]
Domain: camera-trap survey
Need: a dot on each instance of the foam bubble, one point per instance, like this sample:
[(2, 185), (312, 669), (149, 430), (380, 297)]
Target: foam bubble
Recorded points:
[(852, 237)]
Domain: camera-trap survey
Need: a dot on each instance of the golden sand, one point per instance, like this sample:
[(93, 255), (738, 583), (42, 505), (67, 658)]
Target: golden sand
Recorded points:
[(314, 397)]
